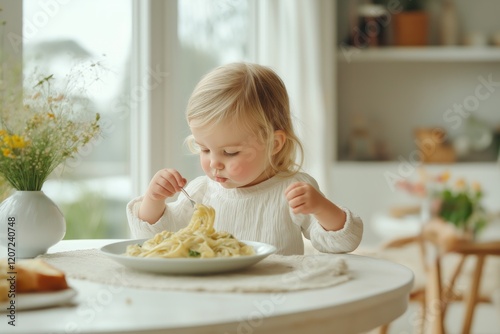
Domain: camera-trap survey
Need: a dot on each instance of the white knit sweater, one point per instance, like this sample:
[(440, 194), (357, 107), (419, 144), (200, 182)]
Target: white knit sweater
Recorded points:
[(257, 213)]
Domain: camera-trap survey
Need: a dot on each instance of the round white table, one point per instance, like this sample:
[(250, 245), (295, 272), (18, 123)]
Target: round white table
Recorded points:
[(377, 294)]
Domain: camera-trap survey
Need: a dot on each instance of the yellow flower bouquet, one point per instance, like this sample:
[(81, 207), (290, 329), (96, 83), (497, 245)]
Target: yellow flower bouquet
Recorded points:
[(43, 123), (40, 131)]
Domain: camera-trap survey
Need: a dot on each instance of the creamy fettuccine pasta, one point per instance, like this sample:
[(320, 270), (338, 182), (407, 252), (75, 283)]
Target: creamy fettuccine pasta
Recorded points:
[(199, 239)]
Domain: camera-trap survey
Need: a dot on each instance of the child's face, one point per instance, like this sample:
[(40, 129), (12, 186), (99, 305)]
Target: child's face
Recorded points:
[(231, 155)]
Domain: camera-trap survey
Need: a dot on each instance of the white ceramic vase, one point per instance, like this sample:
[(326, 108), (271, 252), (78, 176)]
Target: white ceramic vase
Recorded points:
[(30, 223)]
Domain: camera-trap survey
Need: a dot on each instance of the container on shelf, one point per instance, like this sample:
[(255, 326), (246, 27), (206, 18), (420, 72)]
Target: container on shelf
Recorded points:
[(370, 30), (411, 28), (448, 24)]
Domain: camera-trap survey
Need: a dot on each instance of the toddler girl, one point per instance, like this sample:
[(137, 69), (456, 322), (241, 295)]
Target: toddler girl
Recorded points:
[(239, 116)]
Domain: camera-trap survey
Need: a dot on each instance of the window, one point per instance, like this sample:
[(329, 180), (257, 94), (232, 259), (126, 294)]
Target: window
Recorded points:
[(210, 33), (93, 191), (57, 38), (216, 31)]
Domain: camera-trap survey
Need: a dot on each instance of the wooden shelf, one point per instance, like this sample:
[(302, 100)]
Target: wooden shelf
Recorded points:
[(419, 54)]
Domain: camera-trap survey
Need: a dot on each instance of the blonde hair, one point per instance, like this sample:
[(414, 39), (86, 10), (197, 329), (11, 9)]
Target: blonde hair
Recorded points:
[(256, 98)]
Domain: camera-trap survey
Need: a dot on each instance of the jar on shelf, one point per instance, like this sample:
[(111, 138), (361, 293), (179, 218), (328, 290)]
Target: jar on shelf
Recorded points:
[(448, 24), (371, 28)]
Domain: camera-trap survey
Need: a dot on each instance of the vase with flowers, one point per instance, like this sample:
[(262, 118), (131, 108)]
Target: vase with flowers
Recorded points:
[(458, 203), (40, 128)]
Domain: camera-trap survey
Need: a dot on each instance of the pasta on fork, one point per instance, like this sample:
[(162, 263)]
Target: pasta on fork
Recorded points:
[(198, 240)]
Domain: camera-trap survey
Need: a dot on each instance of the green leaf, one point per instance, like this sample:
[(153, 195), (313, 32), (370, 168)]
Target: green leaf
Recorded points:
[(193, 253)]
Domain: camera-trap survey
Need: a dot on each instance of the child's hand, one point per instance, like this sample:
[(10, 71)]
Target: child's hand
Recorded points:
[(303, 198), (165, 183)]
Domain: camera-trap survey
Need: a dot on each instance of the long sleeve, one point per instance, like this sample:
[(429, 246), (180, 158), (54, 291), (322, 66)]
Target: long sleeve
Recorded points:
[(342, 241), (176, 216), (258, 213)]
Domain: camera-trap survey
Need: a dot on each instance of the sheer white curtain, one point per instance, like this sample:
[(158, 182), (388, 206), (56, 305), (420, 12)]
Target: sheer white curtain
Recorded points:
[(296, 39)]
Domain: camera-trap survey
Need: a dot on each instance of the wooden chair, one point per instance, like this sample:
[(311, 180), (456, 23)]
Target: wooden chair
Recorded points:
[(437, 294), (417, 265), (429, 271)]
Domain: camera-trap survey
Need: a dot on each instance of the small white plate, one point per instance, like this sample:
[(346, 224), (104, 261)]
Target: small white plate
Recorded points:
[(28, 301), (186, 266)]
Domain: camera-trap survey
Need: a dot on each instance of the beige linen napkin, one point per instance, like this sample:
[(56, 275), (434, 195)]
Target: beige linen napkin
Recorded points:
[(275, 273)]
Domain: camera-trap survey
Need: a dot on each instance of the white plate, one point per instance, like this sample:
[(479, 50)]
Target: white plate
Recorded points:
[(117, 250), (28, 301)]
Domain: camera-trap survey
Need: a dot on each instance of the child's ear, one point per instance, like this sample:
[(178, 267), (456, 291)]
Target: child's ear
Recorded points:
[(279, 140)]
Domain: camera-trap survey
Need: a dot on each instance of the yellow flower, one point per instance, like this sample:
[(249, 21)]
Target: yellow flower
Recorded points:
[(444, 176), (51, 115), (460, 184), (7, 141), (7, 152), (17, 141)]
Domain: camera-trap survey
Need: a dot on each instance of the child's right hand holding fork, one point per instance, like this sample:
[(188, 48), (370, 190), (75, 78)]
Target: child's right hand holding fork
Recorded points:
[(165, 183)]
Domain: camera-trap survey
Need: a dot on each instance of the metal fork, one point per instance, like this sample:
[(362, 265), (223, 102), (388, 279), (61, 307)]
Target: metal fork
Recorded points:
[(193, 202)]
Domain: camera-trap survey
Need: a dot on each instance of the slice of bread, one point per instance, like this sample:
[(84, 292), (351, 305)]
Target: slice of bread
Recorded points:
[(33, 275), (4, 284), (4, 291)]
